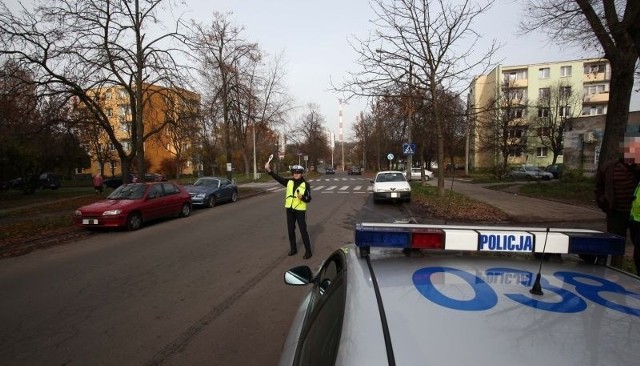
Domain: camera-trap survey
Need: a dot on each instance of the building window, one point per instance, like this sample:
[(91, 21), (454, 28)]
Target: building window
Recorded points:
[(595, 68), (515, 75), (542, 151), (595, 89), (543, 112), (515, 133), (543, 131), (544, 93), (564, 111), (565, 71), (565, 92), (544, 73), (594, 110)]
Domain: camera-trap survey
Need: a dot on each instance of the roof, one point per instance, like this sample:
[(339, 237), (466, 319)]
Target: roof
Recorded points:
[(449, 307)]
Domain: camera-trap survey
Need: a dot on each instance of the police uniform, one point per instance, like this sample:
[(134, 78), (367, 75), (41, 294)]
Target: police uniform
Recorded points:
[(296, 208)]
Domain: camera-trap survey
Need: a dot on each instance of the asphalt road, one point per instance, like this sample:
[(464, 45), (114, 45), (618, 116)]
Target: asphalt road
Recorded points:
[(202, 290)]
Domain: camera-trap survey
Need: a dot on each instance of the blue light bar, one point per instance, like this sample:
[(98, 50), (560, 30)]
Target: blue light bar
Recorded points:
[(487, 239), (596, 243)]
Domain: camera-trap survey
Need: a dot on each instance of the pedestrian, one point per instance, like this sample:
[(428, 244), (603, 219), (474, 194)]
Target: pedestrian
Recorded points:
[(616, 182), (297, 195), (97, 183), (633, 151)]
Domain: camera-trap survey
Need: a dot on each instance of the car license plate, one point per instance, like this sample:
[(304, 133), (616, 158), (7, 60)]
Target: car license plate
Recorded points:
[(394, 195), (89, 222)]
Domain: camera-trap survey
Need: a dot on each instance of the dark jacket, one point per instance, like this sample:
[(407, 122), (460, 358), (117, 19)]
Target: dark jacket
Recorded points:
[(616, 182)]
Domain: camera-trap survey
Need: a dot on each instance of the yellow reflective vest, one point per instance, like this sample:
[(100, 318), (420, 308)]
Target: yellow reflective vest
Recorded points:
[(291, 200), (635, 205)]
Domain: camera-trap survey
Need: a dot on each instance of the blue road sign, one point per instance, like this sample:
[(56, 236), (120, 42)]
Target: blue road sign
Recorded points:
[(408, 149)]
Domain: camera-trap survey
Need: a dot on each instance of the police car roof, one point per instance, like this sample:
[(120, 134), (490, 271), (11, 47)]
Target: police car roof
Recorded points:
[(459, 308)]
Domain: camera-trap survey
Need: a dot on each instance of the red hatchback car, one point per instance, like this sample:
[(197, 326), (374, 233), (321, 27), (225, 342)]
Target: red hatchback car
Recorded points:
[(131, 205)]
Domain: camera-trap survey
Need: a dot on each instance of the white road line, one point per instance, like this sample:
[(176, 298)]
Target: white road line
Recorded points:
[(343, 188), (331, 188)]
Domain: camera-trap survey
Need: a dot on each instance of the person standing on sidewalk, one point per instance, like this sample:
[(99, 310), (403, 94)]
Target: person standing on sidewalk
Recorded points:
[(97, 183), (297, 195), (616, 182)]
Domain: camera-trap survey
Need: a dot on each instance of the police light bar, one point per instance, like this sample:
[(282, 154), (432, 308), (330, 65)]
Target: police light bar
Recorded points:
[(487, 239)]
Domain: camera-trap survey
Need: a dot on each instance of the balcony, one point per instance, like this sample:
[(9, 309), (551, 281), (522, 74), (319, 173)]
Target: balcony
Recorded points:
[(596, 98)]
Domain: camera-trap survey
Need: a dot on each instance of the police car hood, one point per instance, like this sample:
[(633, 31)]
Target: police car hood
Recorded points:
[(450, 309)]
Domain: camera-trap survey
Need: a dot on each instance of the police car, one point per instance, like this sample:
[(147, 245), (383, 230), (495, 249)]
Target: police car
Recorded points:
[(412, 294)]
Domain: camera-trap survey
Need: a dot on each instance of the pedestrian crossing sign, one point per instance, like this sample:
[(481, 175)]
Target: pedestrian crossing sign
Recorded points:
[(408, 149)]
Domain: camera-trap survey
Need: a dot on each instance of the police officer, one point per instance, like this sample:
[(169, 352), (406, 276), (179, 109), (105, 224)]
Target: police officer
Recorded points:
[(297, 195)]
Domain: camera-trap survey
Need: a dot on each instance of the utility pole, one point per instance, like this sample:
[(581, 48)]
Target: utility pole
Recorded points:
[(410, 120), (340, 131)]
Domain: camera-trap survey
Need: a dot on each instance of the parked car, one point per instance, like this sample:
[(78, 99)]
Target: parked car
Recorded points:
[(555, 169), (408, 294), (154, 177), (417, 174), (529, 173), (391, 185), (209, 191), (133, 204), (113, 182), (50, 180), (330, 171), (355, 170)]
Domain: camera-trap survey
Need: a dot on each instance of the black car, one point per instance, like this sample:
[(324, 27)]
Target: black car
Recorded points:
[(354, 170), (49, 180), (330, 171), (555, 169)]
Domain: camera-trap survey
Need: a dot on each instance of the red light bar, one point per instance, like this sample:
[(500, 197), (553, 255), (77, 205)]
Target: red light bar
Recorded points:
[(427, 239)]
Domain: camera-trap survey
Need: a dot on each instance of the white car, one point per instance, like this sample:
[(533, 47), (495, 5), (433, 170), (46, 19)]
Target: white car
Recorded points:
[(416, 174), (413, 294), (391, 185)]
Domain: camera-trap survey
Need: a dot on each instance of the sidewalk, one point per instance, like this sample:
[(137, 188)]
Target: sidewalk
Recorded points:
[(530, 211)]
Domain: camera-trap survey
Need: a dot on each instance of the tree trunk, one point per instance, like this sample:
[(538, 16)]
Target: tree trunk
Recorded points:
[(621, 87)]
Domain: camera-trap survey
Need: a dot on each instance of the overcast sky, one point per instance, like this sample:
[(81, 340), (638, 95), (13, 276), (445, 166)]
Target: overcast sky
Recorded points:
[(313, 37)]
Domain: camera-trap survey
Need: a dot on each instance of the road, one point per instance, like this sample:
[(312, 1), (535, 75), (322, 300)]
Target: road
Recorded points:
[(202, 290)]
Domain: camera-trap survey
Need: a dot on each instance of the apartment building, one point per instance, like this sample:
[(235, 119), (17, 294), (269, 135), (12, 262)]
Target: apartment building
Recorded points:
[(170, 143), (523, 109)]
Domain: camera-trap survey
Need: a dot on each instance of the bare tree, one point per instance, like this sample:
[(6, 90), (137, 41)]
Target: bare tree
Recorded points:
[(502, 127), (309, 135), (259, 103), (556, 105), (223, 56), (609, 26), (81, 49), (419, 43)]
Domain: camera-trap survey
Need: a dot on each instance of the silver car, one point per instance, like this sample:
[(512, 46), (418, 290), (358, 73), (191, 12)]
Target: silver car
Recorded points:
[(210, 191), (408, 294), (530, 173)]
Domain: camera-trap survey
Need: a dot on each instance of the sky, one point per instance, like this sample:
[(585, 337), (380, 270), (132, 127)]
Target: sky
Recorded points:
[(313, 37)]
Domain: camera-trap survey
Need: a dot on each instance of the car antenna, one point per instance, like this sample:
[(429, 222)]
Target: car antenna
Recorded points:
[(537, 289)]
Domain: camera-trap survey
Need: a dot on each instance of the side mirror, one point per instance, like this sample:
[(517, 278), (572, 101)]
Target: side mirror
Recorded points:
[(298, 276)]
